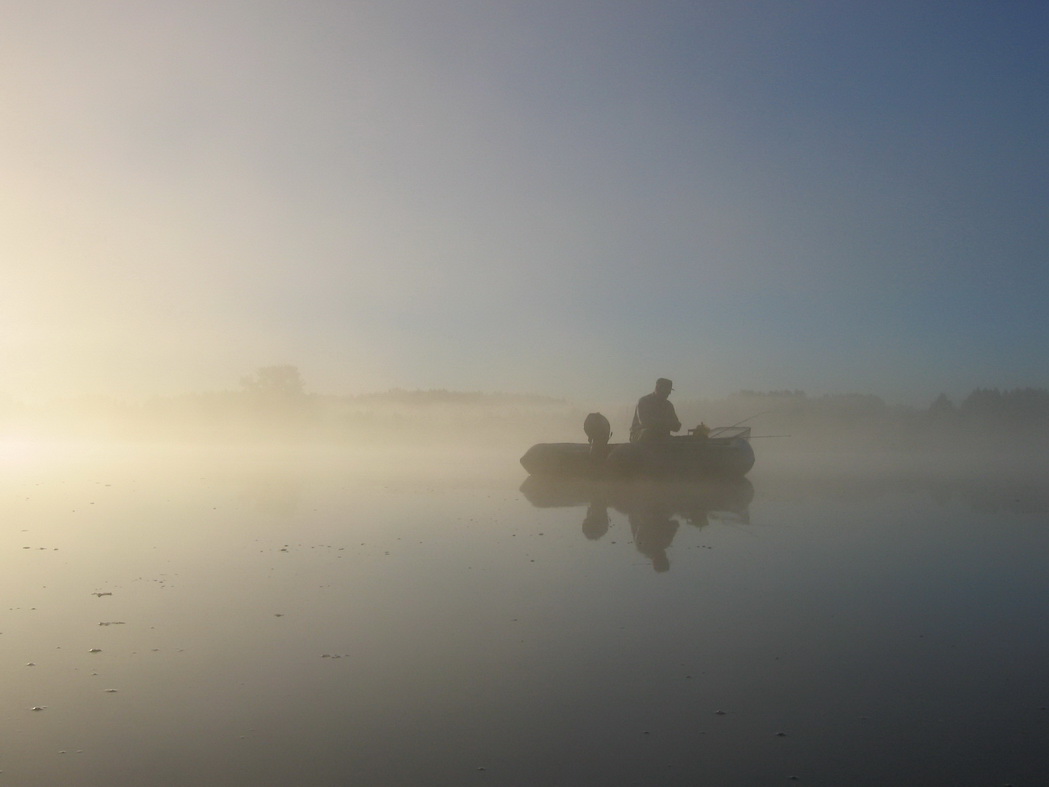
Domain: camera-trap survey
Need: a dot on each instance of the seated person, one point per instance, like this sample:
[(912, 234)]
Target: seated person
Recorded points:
[(654, 416)]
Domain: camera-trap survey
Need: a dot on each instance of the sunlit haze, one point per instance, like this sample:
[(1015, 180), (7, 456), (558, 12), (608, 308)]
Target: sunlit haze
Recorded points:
[(567, 199)]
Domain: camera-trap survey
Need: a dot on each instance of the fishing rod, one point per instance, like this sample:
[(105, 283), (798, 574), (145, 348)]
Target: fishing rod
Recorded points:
[(720, 429), (752, 417), (748, 418)]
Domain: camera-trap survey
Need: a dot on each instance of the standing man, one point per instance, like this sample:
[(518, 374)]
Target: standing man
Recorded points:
[(654, 416)]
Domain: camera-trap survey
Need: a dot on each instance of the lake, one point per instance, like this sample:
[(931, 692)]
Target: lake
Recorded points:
[(325, 616)]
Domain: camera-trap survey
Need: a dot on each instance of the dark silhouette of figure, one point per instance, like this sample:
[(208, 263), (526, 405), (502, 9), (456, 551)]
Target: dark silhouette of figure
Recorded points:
[(598, 433), (596, 521), (654, 529), (654, 416)]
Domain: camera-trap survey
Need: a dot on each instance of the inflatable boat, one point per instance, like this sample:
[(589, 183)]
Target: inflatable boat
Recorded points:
[(724, 451)]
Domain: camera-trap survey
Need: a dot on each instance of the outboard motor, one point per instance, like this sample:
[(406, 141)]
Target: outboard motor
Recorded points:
[(598, 433)]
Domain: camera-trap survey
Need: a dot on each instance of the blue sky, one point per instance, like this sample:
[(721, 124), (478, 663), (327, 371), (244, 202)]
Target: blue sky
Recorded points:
[(563, 198)]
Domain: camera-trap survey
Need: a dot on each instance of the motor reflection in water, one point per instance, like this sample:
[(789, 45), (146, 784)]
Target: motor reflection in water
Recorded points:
[(654, 509)]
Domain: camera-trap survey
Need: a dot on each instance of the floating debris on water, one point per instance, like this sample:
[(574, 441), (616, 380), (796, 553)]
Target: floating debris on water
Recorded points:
[(95, 650), (38, 707), (100, 594), (111, 623)]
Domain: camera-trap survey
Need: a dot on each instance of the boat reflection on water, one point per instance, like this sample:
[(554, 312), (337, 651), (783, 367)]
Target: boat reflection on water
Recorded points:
[(654, 509)]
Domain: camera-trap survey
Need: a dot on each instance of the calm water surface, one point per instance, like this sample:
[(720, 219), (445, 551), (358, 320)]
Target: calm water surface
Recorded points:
[(326, 616)]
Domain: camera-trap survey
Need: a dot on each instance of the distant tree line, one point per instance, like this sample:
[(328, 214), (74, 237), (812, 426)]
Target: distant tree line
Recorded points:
[(986, 418), (273, 403)]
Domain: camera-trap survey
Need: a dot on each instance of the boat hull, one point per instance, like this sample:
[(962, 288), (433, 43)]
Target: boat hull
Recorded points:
[(674, 458)]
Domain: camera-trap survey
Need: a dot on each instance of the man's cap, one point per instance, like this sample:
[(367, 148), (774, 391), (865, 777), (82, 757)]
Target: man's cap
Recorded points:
[(664, 381)]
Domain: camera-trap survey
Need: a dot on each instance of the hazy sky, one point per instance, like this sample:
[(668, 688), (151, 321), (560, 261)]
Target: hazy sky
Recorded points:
[(567, 197)]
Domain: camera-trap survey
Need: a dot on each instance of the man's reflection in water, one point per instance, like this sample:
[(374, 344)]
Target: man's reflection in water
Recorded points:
[(654, 529), (654, 510), (595, 523)]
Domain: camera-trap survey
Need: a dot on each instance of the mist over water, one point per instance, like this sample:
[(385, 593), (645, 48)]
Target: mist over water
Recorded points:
[(303, 613), (341, 576), (273, 405)]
